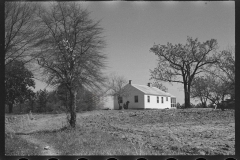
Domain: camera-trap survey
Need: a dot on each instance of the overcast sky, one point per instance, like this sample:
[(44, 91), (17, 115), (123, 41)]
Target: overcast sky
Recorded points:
[(131, 29)]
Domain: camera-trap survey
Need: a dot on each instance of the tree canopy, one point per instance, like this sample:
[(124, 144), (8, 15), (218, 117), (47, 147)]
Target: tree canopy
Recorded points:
[(71, 49), (18, 83), (218, 81), (116, 87), (21, 31)]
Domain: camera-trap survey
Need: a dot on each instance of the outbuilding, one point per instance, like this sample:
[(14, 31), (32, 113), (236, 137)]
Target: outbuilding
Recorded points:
[(145, 97)]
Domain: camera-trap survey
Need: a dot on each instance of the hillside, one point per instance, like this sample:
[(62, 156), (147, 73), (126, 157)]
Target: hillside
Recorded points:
[(132, 132)]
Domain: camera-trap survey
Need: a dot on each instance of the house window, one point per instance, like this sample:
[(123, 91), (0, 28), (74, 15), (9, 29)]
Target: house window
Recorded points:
[(120, 100), (148, 97), (162, 99), (173, 102), (166, 98), (157, 99), (136, 99)]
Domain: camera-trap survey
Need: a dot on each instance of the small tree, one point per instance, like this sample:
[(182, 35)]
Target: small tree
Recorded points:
[(25, 98), (218, 90), (201, 90), (210, 88), (53, 103), (42, 97), (178, 106), (32, 100), (116, 88), (181, 63), (18, 83), (225, 70), (219, 80)]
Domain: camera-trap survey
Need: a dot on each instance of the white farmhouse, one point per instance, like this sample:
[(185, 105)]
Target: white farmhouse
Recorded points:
[(145, 97)]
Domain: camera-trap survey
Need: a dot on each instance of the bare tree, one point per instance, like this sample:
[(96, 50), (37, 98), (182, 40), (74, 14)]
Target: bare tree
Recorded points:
[(71, 50), (219, 80), (116, 87), (181, 63), (225, 69), (210, 88), (21, 31)]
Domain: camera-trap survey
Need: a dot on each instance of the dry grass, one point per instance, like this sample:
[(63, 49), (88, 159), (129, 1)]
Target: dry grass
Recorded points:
[(137, 132), (87, 141)]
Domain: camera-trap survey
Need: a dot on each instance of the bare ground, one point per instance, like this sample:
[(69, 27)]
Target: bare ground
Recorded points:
[(193, 131)]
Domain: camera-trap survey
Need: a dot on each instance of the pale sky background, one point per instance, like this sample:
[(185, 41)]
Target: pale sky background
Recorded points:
[(131, 29)]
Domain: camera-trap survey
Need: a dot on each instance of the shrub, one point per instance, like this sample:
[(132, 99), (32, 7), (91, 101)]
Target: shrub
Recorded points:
[(178, 106)]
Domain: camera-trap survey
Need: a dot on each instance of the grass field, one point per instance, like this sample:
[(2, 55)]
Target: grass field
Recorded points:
[(124, 132)]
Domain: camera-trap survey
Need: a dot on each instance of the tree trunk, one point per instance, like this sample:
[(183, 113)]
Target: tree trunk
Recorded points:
[(20, 107), (187, 96), (120, 107), (203, 102), (10, 107), (73, 107), (187, 100), (32, 103), (204, 105)]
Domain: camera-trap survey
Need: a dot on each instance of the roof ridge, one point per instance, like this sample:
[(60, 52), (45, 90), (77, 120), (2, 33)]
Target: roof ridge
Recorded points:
[(151, 90)]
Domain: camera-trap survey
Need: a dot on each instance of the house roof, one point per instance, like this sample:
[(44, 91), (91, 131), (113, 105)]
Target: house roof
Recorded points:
[(151, 90)]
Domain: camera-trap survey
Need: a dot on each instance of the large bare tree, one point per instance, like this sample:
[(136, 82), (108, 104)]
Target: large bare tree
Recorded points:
[(21, 31), (71, 50), (181, 63)]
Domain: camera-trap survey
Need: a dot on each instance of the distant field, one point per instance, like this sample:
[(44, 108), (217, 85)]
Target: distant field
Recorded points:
[(125, 132)]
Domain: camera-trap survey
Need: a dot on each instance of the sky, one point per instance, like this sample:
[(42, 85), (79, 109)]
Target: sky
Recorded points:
[(132, 28)]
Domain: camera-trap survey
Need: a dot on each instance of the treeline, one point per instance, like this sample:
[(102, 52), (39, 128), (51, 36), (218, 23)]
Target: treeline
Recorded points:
[(44, 101), (20, 97)]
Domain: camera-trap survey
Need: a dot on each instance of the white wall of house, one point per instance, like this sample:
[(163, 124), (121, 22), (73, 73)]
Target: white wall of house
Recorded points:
[(108, 102), (153, 102), (115, 103), (132, 93), (131, 98)]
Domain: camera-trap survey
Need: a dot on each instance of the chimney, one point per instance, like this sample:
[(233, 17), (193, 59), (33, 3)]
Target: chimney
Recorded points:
[(130, 81), (149, 84)]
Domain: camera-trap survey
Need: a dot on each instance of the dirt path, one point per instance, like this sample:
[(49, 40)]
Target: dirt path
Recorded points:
[(49, 151)]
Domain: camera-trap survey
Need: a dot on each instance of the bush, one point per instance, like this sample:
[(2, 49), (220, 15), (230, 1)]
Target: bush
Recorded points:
[(178, 106)]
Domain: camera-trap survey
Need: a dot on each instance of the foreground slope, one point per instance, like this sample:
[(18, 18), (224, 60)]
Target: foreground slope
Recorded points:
[(149, 132)]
